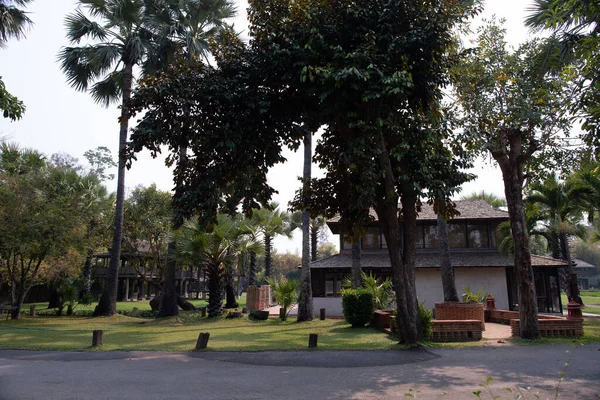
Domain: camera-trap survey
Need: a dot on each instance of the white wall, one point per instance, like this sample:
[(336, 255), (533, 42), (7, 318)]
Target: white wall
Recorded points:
[(491, 280), (429, 288)]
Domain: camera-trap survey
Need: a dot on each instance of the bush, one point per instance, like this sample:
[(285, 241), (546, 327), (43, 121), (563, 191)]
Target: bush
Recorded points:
[(285, 292), (426, 318), (358, 306)]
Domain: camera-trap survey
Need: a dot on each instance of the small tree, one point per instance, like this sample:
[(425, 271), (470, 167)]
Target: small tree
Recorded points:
[(285, 292)]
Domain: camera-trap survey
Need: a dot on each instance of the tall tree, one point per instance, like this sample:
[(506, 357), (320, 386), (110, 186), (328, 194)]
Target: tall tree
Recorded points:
[(305, 303), (574, 43), (105, 66), (513, 109), (14, 22)]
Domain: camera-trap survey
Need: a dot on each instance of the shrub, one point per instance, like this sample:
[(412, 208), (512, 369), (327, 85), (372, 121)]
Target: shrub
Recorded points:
[(473, 297), (358, 306), (258, 315), (425, 317)]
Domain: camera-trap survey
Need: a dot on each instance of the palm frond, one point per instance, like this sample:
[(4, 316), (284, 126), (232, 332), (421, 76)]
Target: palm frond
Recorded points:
[(109, 89), (83, 65), (13, 22), (79, 26)]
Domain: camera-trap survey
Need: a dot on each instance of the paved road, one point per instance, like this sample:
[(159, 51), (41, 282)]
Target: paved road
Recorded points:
[(301, 375)]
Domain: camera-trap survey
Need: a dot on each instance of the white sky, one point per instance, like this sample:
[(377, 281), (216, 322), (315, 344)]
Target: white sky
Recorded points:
[(60, 119)]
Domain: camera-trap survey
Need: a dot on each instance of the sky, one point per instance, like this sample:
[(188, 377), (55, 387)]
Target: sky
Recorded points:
[(60, 119)]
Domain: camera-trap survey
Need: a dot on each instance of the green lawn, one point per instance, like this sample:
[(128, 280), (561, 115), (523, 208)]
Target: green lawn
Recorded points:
[(591, 299), (180, 334), (123, 307)]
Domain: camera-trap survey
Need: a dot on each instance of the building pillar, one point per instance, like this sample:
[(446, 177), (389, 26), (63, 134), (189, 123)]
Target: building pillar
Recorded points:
[(140, 289), (126, 289), (148, 287)]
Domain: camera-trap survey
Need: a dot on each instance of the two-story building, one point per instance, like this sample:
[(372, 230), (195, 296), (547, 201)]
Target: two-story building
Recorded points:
[(476, 260)]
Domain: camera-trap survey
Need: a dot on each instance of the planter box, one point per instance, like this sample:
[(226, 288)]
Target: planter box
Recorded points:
[(382, 320), (552, 327), (456, 330), (451, 311)]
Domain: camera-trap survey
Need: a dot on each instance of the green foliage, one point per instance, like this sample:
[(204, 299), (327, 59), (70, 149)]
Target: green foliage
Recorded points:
[(425, 318), (285, 292), (469, 296), (381, 289), (10, 106), (13, 21), (358, 306)]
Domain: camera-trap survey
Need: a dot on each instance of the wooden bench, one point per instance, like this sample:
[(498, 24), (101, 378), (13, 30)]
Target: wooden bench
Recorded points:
[(456, 330)]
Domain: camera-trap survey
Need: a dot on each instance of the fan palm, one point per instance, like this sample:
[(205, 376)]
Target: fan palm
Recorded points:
[(270, 222), (119, 41), (215, 251), (13, 21), (489, 198), (182, 26)]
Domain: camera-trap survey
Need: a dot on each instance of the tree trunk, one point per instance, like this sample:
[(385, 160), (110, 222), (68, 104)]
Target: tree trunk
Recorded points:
[(305, 301), (230, 300), (252, 269), (215, 300), (168, 300), (314, 240), (387, 210), (448, 281), (572, 285), (356, 267), (87, 272), (107, 305), (267, 256), (513, 184)]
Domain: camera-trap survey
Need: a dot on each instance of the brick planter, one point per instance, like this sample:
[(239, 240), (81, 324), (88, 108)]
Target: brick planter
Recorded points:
[(451, 311), (456, 331), (552, 327), (382, 320)]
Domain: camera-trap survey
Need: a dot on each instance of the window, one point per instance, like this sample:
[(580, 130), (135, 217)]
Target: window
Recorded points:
[(419, 238), (478, 235), (370, 240), (430, 233), (333, 285), (456, 235)]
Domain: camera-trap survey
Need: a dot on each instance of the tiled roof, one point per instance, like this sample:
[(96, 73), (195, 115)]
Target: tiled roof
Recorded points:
[(582, 264), (468, 209), (432, 260)]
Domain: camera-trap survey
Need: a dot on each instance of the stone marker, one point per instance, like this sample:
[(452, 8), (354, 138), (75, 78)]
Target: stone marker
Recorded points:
[(203, 312), (244, 310), (32, 312), (322, 311), (134, 312), (202, 340), (98, 338), (312, 340)]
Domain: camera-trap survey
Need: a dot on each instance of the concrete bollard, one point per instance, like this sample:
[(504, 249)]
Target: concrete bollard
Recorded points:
[(98, 338), (322, 312), (312, 340), (203, 312), (244, 310), (202, 340), (32, 312)]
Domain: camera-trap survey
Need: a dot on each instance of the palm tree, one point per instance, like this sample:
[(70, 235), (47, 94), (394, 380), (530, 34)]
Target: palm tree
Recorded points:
[(561, 204), (489, 198), (120, 41), (215, 251), (305, 303), (183, 26), (13, 21), (316, 225), (270, 222)]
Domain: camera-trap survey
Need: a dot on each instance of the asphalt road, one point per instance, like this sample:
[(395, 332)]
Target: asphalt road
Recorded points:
[(427, 374)]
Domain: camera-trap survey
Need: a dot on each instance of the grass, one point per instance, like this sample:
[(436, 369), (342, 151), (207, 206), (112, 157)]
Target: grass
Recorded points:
[(591, 299), (123, 307), (180, 334)]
